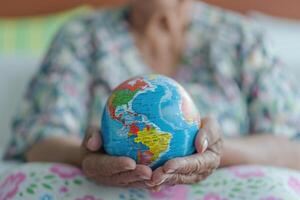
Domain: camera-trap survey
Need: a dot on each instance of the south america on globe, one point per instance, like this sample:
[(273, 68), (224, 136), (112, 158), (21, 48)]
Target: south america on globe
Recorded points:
[(150, 119)]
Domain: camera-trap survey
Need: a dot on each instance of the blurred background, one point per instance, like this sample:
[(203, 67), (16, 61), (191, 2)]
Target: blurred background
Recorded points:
[(27, 27)]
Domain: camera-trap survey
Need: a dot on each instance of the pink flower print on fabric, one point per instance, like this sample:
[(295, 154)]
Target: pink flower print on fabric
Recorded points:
[(271, 198), (213, 196), (247, 172), (294, 184), (65, 171), (64, 189), (10, 186), (89, 197), (178, 192)]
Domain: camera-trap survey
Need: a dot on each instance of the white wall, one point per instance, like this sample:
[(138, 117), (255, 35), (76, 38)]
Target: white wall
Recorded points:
[(15, 72)]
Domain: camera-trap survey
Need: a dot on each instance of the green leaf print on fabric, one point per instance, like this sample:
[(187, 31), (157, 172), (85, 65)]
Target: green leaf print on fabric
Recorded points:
[(30, 190), (77, 182), (47, 186), (276, 184)]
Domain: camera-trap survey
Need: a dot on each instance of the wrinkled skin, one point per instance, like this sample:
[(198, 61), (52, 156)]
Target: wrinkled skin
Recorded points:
[(158, 27), (111, 170), (194, 168), (124, 172)]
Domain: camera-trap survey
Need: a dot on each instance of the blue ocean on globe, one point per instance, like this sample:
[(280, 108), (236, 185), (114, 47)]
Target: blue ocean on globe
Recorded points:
[(150, 119)]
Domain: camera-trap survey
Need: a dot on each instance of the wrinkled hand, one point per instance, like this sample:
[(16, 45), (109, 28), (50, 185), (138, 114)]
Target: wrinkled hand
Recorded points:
[(194, 168), (111, 170)]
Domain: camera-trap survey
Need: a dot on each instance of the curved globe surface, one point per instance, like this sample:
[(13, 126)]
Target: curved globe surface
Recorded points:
[(151, 119)]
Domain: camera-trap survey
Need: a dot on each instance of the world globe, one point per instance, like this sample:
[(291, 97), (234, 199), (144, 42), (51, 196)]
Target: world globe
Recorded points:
[(150, 119)]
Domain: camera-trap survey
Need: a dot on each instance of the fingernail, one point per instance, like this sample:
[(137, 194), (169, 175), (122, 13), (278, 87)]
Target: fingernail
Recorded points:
[(204, 145), (163, 180), (129, 168), (145, 177), (92, 144), (170, 171), (149, 184)]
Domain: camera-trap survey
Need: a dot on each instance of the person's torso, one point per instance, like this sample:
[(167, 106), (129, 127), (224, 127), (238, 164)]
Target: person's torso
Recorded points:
[(207, 70)]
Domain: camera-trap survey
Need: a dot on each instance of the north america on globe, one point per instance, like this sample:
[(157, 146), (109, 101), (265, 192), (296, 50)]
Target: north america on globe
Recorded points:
[(150, 119)]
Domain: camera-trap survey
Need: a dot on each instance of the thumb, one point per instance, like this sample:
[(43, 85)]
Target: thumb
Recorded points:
[(201, 141), (94, 142)]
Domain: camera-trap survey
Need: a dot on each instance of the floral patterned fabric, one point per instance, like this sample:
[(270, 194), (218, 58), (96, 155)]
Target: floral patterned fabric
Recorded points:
[(227, 68), (58, 181)]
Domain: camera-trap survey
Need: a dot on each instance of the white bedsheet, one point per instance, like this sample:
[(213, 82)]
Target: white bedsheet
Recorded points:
[(4, 166)]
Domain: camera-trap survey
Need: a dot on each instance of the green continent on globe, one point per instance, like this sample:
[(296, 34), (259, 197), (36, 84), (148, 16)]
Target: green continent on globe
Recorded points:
[(150, 119), (123, 95), (157, 142)]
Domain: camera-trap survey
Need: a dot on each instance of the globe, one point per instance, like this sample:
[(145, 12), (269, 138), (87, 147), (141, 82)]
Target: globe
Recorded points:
[(151, 119)]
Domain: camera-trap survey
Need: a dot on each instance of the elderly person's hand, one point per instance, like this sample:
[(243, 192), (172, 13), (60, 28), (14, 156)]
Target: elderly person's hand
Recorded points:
[(111, 170), (194, 168)]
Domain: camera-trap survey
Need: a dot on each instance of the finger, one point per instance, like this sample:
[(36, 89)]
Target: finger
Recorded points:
[(177, 179), (208, 135), (158, 177), (217, 147), (94, 142), (140, 173), (212, 127), (104, 165), (133, 178), (201, 141), (196, 163)]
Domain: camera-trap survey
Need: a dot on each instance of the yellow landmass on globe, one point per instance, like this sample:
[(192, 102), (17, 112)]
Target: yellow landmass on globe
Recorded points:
[(157, 142)]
